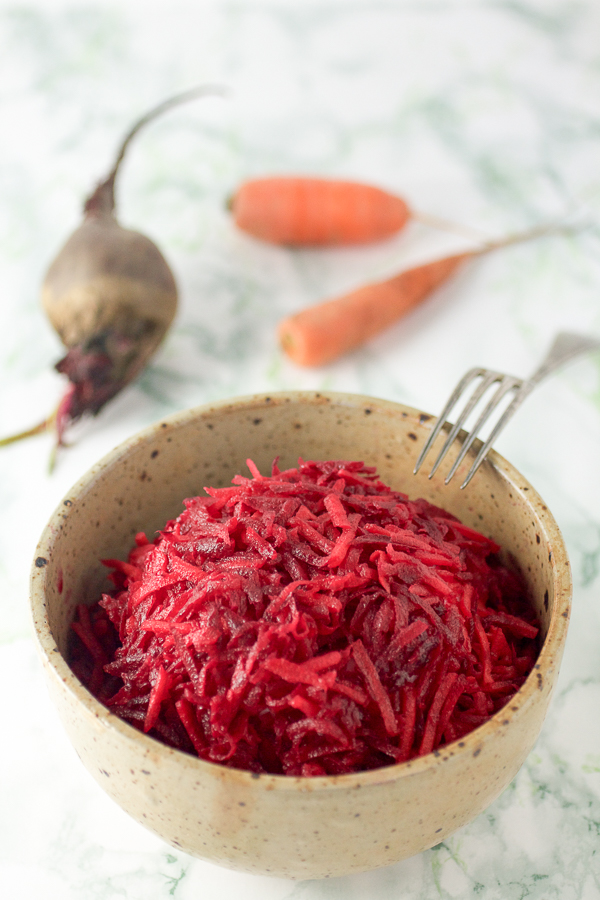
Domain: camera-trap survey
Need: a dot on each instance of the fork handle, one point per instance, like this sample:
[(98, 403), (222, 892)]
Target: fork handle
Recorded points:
[(565, 346)]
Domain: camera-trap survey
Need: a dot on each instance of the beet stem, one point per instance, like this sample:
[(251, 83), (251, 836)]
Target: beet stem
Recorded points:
[(102, 200)]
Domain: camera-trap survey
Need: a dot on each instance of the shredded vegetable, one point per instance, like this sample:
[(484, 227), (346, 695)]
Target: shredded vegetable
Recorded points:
[(310, 622)]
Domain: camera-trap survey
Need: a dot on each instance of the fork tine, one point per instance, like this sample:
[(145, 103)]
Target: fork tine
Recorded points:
[(507, 384), (504, 418), (565, 347), (467, 378), (486, 382)]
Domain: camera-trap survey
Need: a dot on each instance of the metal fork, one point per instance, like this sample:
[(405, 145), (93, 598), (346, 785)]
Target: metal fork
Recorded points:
[(565, 347)]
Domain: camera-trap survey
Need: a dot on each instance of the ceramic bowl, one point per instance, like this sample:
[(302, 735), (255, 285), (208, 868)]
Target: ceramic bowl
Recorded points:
[(288, 826)]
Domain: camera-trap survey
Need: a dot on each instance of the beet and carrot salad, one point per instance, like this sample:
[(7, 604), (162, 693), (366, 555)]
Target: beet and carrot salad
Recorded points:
[(310, 622)]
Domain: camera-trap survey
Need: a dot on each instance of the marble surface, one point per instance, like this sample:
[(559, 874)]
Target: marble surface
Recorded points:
[(486, 113)]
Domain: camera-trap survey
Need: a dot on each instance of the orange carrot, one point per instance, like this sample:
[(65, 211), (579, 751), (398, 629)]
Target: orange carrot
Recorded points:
[(322, 333), (317, 211)]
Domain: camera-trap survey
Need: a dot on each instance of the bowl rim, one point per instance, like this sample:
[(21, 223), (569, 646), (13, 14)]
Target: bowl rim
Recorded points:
[(472, 742)]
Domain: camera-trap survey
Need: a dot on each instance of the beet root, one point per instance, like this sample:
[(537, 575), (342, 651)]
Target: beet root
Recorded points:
[(111, 297)]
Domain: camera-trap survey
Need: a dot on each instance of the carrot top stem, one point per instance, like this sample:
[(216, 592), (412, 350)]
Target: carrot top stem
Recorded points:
[(519, 237), (446, 225)]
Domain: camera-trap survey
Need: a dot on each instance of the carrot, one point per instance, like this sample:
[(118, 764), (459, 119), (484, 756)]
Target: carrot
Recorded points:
[(322, 333), (299, 211)]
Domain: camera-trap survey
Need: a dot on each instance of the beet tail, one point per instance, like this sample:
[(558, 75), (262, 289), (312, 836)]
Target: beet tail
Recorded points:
[(40, 428), (51, 423)]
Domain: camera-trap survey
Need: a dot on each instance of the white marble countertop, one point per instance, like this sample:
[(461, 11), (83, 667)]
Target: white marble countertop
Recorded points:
[(486, 113)]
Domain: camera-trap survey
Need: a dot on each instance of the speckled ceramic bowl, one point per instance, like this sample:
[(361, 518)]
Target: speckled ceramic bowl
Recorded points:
[(286, 826)]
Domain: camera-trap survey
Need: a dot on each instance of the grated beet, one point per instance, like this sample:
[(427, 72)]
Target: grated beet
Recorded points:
[(312, 622)]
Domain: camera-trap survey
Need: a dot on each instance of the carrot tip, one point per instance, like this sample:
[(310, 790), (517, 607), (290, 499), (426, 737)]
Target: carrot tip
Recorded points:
[(292, 343), (286, 340)]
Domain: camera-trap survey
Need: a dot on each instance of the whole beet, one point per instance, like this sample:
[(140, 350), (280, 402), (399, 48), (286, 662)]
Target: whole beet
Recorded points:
[(110, 295)]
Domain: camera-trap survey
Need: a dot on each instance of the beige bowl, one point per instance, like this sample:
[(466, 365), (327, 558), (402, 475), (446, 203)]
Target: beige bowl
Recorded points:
[(288, 826)]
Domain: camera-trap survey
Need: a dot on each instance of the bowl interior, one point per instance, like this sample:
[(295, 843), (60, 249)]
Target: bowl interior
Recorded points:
[(142, 485)]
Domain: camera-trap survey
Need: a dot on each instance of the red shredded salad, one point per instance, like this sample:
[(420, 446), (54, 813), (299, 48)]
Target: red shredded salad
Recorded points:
[(311, 622)]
